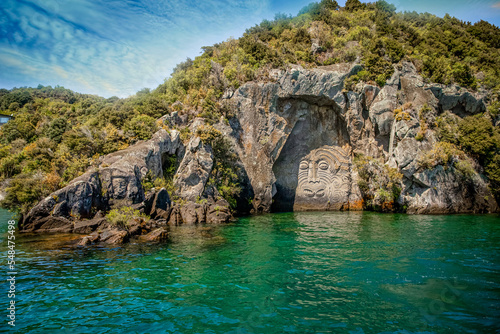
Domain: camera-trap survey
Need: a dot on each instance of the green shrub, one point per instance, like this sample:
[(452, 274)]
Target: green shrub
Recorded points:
[(477, 135), (380, 185), (142, 127), (465, 168), (122, 217), (447, 127), (23, 192), (443, 153)]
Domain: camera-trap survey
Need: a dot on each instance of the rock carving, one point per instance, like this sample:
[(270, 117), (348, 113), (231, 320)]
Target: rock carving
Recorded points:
[(323, 178)]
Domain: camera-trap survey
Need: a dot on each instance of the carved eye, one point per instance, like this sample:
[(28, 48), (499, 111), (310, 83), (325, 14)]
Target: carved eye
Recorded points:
[(323, 165), (304, 165)]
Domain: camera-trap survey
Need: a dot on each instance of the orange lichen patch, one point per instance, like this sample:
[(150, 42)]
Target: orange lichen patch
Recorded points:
[(356, 205), (388, 206), (248, 147)]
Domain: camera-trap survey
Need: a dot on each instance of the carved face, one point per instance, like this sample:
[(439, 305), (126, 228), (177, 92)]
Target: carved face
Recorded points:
[(322, 176)]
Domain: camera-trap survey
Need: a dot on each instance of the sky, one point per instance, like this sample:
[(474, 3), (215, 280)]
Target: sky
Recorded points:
[(117, 47)]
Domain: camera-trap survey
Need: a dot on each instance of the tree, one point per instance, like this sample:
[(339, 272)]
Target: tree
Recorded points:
[(57, 128), (478, 136), (329, 4), (353, 5), (142, 127), (385, 6)]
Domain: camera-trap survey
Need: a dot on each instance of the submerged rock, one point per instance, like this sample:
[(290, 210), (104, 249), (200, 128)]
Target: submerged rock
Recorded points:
[(158, 235)]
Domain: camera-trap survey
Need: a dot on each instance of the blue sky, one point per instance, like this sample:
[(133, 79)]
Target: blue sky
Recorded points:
[(117, 47)]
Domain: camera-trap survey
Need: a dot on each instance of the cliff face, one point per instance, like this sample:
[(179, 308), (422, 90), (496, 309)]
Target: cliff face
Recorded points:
[(299, 137)]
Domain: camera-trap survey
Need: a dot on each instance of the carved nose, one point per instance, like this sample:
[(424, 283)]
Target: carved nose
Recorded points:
[(313, 173)]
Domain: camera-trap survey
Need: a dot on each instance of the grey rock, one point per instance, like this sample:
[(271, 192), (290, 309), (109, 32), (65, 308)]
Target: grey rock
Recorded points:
[(458, 100), (114, 236), (440, 191), (161, 203), (175, 218), (194, 170), (158, 235), (89, 226)]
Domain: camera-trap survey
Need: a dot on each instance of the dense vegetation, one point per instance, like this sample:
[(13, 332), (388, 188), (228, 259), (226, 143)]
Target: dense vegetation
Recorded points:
[(56, 134)]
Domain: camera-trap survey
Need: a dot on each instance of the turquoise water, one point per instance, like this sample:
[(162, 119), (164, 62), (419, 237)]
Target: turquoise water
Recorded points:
[(276, 273)]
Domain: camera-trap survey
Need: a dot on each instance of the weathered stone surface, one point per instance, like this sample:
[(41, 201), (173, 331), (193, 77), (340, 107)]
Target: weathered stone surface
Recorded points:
[(121, 172), (458, 100), (77, 199), (161, 204), (218, 212), (194, 170), (89, 226), (85, 241), (189, 213), (405, 155), (114, 236), (158, 235), (175, 217), (439, 191), (50, 224)]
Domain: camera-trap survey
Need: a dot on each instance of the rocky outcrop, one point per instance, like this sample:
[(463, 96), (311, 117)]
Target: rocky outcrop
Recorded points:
[(439, 190), (281, 126), (194, 170), (115, 183)]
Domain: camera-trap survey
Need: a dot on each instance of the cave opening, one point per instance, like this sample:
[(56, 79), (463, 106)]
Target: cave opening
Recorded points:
[(317, 125)]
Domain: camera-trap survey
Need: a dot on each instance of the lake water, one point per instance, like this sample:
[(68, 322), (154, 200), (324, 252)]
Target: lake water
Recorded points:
[(277, 273)]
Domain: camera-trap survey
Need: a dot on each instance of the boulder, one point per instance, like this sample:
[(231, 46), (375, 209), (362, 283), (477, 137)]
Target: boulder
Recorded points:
[(194, 170), (160, 204), (89, 226), (85, 241), (50, 224), (189, 213), (218, 212), (114, 236), (89, 239), (175, 218), (460, 101), (444, 191), (158, 235)]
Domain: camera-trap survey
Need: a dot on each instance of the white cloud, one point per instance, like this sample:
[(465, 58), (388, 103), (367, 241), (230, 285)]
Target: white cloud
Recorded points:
[(114, 48)]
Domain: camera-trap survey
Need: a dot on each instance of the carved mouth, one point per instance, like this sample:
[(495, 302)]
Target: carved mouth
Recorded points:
[(318, 193)]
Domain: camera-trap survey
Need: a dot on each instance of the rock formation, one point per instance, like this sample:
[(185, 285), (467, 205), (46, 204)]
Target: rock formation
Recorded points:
[(296, 136)]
